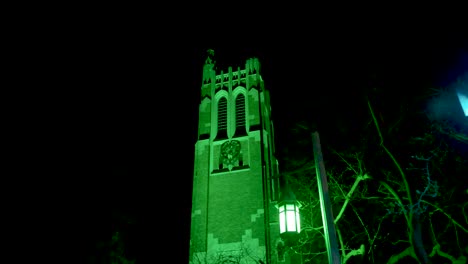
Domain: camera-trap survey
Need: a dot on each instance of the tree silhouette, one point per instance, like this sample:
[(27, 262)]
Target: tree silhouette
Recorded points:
[(398, 194)]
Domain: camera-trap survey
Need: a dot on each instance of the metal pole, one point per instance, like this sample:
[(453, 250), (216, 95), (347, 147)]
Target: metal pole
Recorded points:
[(325, 204)]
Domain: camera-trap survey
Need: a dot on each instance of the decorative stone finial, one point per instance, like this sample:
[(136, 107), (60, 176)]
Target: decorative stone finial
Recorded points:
[(210, 57), (209, 65)]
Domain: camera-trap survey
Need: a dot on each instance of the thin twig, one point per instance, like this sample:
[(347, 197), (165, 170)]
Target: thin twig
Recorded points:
[(408, 215), (449, 216), (371, 244), (349, 195)]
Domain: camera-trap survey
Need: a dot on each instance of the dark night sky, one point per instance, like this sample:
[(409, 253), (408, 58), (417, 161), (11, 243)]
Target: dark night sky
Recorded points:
[(124, 124)]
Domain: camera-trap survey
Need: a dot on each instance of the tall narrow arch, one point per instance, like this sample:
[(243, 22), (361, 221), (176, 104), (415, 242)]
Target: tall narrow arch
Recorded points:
[(222, 118), (240, 115)]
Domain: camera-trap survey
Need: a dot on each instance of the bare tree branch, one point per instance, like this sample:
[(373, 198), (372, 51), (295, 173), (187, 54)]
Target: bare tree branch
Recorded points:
[(449, 217), (408, 252)]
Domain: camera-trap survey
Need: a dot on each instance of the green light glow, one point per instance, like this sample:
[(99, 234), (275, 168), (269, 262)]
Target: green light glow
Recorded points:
[(282, 218), (289, 218)]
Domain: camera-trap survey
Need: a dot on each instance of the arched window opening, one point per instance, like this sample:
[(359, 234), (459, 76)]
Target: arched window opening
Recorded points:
[(240, 115), (222, 118)]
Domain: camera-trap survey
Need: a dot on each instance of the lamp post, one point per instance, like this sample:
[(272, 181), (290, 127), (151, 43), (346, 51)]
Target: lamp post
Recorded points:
[(288, 208), (325, 205)]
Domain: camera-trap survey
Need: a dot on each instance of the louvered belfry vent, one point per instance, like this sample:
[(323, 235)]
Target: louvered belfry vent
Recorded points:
[(222, 118)]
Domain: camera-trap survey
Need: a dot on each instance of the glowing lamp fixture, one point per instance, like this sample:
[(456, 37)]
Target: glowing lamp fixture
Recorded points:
[(289, 218), (463, 101)]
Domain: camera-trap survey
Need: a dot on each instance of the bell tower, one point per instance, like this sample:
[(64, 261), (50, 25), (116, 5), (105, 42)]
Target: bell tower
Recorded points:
[(236, 179)]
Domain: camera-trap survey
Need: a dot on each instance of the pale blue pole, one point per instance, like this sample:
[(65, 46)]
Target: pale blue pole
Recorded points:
[(325, 204)]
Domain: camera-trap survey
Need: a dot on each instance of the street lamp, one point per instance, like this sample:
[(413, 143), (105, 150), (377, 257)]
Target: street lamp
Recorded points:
[(289, 217), (463, 98)]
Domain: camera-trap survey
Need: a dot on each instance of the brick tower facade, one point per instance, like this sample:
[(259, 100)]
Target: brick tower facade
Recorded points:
[(236, 180)]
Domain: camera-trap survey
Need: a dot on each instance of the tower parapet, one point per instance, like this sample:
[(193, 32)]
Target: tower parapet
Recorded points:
[(213, 81)]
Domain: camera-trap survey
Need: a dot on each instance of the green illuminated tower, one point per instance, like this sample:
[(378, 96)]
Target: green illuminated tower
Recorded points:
[(236, 179)]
